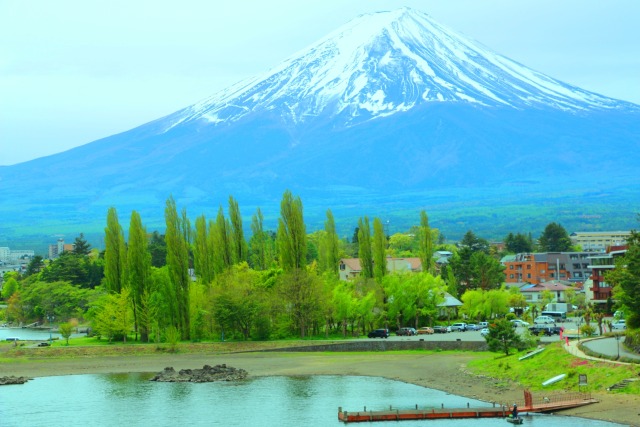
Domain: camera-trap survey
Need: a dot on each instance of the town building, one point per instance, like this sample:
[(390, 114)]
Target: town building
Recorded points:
[(539, 268), (598, 290), (59, 247), (599, 241), (534, 293)]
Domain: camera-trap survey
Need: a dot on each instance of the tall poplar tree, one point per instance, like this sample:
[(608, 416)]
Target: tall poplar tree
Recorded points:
[(115, 254), (364, 247), (330, 246), (292, 234), (239, 244), (202, 253), (223, 252), (177, 235), (379, 247), (259, 250), (426, 244), (139, 271)]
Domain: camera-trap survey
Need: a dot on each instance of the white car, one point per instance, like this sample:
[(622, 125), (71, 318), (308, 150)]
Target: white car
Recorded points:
[(484, 332), (544, 320), (518, 322), (619, 324)]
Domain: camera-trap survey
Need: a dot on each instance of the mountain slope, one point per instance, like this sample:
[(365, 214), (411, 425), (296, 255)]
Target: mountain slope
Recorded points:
[(390, 112)]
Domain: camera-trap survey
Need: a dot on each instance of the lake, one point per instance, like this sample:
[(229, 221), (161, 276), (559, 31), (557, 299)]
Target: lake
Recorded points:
[(132, 400)]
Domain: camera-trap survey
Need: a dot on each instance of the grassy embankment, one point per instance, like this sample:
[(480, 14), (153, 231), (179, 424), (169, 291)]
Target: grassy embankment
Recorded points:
[(553, 361)]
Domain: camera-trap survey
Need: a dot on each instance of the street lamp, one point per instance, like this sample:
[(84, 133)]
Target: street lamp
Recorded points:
[(50, 319)]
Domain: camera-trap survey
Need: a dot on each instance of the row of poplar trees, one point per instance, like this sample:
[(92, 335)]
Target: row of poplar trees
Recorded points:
[(213, 247)]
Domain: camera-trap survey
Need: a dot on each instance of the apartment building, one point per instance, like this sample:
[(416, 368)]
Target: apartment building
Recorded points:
[(599, 241)]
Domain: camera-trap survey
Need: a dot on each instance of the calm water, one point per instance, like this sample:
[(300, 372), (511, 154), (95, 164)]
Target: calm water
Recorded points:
[(29, 334), (132, 400)]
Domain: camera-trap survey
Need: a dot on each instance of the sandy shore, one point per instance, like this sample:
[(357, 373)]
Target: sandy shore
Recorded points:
[(439, 371)]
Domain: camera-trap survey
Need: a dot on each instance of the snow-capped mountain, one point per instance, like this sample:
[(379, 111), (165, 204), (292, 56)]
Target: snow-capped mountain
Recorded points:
[(386, 63), (389, 113)]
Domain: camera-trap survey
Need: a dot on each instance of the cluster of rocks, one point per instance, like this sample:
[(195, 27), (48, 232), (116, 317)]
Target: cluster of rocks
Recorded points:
[(13, 380), (204, 375)]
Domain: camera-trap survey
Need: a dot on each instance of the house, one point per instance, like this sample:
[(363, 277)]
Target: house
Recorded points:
[(533, 292), (349, 268)]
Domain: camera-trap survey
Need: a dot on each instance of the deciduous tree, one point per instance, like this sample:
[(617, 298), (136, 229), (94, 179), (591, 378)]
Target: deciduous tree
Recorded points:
[(364, 247), (115, 255), (379, 247)]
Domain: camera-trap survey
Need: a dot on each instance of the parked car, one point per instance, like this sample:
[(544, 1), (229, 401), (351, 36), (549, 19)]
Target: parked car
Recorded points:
[(619, 324), (440, 329), (542, 329), (425, 330), (379, 333), (43, 344), (406, 332), (484, 332), (544, 320), (518, 322), (459, 327), (483, 325), (473, 327)]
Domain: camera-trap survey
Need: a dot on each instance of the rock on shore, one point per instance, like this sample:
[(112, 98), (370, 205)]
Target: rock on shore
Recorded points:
[(13, 380), (204, 375)]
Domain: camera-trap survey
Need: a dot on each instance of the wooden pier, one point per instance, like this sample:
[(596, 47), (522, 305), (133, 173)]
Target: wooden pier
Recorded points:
[(540, 405)]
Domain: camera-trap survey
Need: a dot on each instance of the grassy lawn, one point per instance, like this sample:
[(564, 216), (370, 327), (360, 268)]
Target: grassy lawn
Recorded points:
[(554, 360)]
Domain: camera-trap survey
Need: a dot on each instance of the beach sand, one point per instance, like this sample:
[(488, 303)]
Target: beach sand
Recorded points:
[(446, 372)]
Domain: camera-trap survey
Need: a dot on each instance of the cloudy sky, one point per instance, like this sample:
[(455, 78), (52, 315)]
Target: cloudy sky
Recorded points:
[(72, 72)]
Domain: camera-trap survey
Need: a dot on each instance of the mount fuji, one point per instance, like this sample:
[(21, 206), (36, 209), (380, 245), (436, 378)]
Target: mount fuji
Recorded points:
[(389, 114)]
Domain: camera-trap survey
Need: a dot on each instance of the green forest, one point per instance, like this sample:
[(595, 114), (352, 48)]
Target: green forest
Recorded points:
[(206, 281)]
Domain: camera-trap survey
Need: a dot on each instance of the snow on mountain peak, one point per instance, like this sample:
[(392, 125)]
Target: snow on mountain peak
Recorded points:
[(382, 63)]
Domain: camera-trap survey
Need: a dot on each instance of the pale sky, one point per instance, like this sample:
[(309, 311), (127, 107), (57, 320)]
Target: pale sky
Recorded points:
[(75, 71)]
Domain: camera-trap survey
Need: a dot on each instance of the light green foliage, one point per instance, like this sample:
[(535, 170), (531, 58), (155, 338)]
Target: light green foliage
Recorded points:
[(480, 304), (412, 296), (238, 301), (426, 244), (112, 316), (9, 287), (65, 329), (62, 300), (292, 235), (177, 238), (202, 253), (138, 271), (329, 246), (379, 247), (344, 304), (401, 244), (302, 300), (364, 247), (261, 244), (115, 256), (238, 243)]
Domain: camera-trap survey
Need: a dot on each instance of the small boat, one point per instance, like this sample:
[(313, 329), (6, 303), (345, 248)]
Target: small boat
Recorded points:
[(516, 420)]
